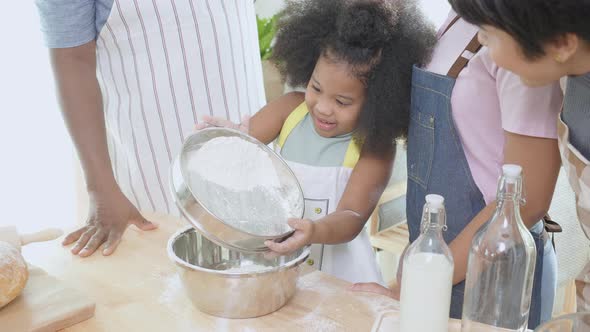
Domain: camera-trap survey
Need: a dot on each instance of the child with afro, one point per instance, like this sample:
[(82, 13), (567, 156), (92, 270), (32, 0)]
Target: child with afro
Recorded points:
[(354, 59)]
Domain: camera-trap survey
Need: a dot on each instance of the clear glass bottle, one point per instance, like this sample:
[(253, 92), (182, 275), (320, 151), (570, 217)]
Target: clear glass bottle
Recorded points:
[(427, 276), (501, 264)]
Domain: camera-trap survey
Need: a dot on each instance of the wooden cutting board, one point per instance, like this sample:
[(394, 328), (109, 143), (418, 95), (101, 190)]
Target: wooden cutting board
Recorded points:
[(46, 304)]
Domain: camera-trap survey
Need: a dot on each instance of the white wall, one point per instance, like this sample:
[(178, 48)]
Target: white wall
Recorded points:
[(36, 164), (436, 10)]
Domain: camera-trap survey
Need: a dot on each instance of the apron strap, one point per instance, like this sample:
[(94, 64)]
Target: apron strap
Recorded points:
[(457, 17), (473, 47), (292, 120), (353, 151), (551, 227)]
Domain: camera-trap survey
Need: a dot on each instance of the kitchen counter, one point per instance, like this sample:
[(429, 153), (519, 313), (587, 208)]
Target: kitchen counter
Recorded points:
[(138, 289)]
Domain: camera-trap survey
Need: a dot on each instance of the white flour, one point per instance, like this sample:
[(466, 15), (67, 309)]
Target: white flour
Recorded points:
[(249, 268), (331, 312), (235, 164), (237, 181)]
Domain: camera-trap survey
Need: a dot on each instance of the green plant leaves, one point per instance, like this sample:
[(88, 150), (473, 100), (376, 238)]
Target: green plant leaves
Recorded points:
[(267, 29)]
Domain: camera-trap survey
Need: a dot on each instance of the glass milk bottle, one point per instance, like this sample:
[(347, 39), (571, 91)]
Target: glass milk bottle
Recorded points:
[(427, 276), (501, 264)]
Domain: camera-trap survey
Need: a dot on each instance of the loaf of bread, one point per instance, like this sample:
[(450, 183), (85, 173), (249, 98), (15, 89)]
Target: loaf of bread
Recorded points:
[(13, 273)]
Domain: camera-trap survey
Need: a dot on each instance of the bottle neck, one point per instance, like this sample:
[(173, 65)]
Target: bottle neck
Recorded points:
[(431, 238), (510, 198), (434, 223)]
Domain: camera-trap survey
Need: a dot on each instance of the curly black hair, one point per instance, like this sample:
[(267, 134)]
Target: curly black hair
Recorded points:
[(380, 39)]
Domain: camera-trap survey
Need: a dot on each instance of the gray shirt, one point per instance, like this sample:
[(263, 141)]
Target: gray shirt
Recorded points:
[(305, 146), (576, 112), (70, 23)]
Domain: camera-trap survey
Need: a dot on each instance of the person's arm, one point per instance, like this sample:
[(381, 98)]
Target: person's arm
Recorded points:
[(529, 117), (540, 161), (81, 104), (266, 124), (365, 186), (539, 158)]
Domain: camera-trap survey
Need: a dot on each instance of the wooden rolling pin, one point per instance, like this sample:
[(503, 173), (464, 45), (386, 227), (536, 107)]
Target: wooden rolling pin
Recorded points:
[(9, 234)]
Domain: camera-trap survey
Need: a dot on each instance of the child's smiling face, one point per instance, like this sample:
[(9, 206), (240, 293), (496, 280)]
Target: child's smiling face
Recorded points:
[(334, 97)]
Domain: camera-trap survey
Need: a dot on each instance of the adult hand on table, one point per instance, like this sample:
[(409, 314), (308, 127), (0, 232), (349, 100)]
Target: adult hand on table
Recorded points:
[(108, 216), (393, 292), (210, 121), (81, 102)]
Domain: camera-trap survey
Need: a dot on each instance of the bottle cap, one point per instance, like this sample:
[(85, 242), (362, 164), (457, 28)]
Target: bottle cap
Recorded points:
[(435, 202), (511, 172)]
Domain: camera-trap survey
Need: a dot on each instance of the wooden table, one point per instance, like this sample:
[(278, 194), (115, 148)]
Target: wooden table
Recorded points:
[(138, 289)]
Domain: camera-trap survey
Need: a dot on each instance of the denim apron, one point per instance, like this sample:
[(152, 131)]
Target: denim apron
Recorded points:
[(437, 165)]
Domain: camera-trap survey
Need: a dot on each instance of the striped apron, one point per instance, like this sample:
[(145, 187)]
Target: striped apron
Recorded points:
[(577, 168), (161, 65)]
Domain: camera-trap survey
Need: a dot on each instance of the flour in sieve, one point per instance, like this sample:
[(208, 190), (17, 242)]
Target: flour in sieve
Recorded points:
[(237, 181), (234, 163)]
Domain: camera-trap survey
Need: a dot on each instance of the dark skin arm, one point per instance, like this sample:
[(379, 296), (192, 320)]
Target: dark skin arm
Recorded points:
[(539, 158), (266, 124), (81, 103), (540, 161), (367, 182)]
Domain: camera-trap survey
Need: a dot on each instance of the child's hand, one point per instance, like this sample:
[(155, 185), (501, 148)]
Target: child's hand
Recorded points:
[(300, 238), (209, 121)]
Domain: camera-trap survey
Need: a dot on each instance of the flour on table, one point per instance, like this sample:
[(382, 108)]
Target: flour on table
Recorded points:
[(386, 321), (237, 181)]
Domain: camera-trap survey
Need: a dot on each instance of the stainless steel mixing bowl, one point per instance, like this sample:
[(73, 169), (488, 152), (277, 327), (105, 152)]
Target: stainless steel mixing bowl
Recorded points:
[(212, 280), (195, 208)]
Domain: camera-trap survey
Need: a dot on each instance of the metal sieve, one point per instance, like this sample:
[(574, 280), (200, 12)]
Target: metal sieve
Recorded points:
[(207, 206)]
